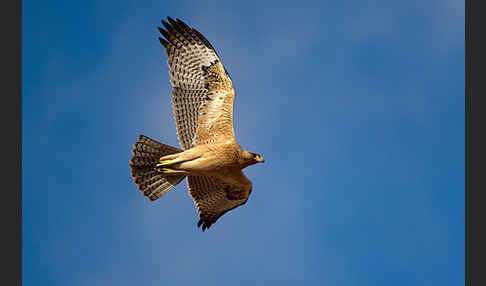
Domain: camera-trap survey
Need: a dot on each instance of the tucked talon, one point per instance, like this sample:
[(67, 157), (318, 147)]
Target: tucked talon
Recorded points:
[(164, 162), (165, 170), (170, 171)]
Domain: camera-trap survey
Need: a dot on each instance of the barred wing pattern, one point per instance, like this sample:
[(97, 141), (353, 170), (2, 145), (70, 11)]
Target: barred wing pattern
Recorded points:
[(202, 91), (213, 198)]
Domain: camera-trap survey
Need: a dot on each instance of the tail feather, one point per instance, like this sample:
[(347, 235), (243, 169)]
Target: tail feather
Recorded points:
[(146, 154)]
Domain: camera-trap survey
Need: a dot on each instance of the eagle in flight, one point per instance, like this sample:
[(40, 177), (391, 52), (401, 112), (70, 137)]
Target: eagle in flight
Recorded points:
[(212, 161)]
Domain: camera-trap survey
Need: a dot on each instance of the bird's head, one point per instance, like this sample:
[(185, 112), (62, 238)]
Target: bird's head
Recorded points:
[(249, 158), (253, 158), (258, 158)]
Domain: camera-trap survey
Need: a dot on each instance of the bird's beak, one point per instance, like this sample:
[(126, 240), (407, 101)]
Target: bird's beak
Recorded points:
[(260, 159)]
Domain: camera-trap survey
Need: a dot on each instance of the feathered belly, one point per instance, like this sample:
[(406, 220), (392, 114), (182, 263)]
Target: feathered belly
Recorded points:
[(207, 165), (208, 160)]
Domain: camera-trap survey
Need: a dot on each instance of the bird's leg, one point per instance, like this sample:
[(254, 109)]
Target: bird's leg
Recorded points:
[(168, 160), (169, 171), (177, 158)]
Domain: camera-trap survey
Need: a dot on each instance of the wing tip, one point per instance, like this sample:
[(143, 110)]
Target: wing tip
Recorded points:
[(166, 35), (163, 42), (172, 21), (171, 28), (205, 224), (166, 25), (181, 26)]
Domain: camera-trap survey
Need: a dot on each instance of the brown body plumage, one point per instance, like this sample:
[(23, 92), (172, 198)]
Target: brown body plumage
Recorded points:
[(203, 98)]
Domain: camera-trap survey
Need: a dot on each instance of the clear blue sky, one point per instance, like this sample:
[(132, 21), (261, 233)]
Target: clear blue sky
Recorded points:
[(357, 107)]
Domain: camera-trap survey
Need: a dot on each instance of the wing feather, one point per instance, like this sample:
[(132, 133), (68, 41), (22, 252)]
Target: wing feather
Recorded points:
[(213, 197), (202, 91)]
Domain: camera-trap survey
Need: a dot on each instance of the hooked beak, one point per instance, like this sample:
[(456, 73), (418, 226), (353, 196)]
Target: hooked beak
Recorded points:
[(260, 159)]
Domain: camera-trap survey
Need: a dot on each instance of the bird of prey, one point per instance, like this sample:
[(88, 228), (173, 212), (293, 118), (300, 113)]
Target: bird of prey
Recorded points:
[(211, 159)]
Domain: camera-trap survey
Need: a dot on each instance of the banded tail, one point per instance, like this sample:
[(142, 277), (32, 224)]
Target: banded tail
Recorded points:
[(146, 154)]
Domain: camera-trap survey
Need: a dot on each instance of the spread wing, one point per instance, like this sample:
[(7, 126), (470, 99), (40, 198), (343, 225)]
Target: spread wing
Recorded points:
[(202, 90), (213, 197)]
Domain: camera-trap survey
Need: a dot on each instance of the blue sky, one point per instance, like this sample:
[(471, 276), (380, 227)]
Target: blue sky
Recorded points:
[(357, 107)]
